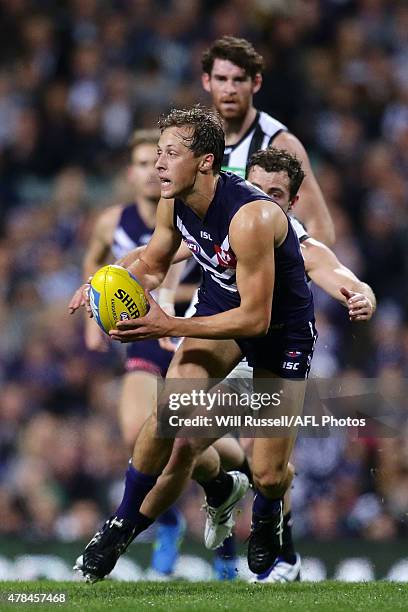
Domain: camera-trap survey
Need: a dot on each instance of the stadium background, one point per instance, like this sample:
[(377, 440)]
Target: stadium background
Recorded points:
[(76, 77)]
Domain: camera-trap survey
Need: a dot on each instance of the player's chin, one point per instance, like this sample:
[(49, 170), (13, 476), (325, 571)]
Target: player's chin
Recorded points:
[(167, 192), (231, 112)]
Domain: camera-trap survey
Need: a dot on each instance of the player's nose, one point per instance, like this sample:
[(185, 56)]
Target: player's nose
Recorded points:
[(159, 162), (230, 87)]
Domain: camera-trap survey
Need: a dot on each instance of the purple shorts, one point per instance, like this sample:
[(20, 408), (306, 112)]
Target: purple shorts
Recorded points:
[(286, 350), (147, 356)]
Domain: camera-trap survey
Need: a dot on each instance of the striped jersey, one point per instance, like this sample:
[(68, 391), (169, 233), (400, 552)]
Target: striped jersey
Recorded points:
[(299, 228), (259, 136), (301, 234), (130, 232), (208, 240)]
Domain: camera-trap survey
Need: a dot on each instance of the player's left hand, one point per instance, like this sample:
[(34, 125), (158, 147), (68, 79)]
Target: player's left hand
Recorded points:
[(359, 306), (155, 324)]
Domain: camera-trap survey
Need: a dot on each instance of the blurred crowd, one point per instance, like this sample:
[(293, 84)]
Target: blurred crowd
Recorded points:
[(76, 77)]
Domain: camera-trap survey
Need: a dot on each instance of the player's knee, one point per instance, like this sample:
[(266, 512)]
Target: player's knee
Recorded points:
[(184, 451), (273, 481)]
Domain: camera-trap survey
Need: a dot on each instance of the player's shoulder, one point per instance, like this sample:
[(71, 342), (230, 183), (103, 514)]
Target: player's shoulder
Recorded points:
[(258, 228), (261, 214), (269, 125)]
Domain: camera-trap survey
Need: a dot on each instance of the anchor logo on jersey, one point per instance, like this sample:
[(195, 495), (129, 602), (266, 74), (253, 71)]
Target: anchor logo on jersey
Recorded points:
[(225, 258)]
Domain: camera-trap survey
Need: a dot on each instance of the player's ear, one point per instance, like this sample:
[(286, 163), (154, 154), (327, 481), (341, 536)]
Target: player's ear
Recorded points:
[(205, 81), (257, 83), (206, 163), (293, 201)]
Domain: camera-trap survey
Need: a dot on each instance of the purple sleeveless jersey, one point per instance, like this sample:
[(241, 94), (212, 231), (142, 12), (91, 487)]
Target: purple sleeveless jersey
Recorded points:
[(208, 240)]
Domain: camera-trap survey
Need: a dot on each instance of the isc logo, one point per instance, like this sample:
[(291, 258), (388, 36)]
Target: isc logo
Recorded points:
[(206, 235), (289, 365)]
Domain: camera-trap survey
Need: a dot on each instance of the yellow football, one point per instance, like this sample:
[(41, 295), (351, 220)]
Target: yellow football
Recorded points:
[(115, 295)]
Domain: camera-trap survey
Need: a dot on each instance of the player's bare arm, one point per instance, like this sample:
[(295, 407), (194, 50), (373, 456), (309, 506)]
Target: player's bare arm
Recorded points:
[(337, 280), (183, 253), (170, 284), (153, 264), (130, 257), (97, 255), (100, 242), (167, 297), (97, 252), (259, 225), (313, 210)]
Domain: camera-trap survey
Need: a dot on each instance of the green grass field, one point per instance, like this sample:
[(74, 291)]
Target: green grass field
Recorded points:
[(208, 596)]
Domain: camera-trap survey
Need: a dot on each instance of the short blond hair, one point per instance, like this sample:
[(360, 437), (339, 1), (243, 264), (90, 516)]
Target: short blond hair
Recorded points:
[(141, 137)]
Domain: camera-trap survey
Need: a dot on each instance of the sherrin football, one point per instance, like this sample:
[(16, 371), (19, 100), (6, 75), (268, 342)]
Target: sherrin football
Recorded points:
[(115, 295)]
